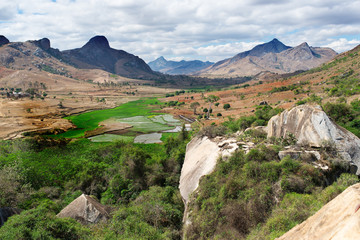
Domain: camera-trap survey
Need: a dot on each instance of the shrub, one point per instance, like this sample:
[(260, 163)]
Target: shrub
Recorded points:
[(212, 131), (41, 223), (226, 106)]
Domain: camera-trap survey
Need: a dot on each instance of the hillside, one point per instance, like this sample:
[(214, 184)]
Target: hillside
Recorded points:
[(37, 88), (97, 53), (273, 56), (178, 67), (335, 79), (273, 182)]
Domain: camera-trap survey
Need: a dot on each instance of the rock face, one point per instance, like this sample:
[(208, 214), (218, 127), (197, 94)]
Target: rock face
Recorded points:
[(337, 220), (44, 43), (97, 53), (201, 157), (311, 126), (7, 212), (274, 57), (3, 40), (85, 209)]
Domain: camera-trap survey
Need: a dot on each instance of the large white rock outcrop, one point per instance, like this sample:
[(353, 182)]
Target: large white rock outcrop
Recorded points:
[(85, 209), (337, 220), (200, 160), (311, 126)]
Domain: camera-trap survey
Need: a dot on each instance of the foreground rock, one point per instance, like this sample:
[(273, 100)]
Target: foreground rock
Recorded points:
[(337, 220), (85, 209), (201, 157), (312, 127), (7, 212)]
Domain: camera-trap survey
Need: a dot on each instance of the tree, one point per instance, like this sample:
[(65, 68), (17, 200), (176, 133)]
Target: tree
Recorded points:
[(211, 99), (194, 105), (226, 106)]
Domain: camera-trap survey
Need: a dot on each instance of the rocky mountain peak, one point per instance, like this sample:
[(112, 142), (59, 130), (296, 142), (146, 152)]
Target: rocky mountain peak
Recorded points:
[(3, 40), (44, 43), (274, 46), (98, 42), (304, 45), (161, 58)]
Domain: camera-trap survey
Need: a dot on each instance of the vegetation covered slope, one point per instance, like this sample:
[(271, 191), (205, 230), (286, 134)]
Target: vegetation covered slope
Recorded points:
[(260, 196), (41, 176), (335, 81)]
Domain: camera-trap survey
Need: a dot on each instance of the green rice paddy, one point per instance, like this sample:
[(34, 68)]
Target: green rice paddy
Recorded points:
[(90, 120), (144, 124), (139, 114)]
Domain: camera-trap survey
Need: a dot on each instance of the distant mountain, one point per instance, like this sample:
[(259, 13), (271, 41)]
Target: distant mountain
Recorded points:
[(181, 67), (97, 53), (273, 56)]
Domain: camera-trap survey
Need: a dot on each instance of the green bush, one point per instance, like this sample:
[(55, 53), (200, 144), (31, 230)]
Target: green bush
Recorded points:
[(257, 196), (41, 223)]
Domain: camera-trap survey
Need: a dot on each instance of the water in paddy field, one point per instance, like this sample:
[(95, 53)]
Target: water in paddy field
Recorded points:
[(158, 124)]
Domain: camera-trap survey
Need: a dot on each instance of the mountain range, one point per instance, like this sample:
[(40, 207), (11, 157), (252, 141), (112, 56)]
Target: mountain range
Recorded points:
[(272, 56), (95, 54), (178, 67)]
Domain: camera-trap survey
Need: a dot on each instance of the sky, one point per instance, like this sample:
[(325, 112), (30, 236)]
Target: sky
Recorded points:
[(208, 30)]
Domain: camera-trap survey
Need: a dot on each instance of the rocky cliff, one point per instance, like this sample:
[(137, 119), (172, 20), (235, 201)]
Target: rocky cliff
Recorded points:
[(337, 220), (312, 127), (201, 157)]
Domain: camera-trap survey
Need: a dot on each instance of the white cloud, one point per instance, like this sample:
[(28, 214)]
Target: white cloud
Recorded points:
[(343, 44), (189, 29)]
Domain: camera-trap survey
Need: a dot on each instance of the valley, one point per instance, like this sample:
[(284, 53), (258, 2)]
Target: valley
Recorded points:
[(97, 145)]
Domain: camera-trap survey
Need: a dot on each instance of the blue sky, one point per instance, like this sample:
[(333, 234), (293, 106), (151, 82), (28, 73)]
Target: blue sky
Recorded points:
[(184, 29)]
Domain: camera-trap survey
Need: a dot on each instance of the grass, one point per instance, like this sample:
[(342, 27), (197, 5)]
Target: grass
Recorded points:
[(90, 120), (167, 135), (111, 138)]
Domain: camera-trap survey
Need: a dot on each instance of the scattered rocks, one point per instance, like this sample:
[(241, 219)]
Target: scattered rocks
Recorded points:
[(303, 155)]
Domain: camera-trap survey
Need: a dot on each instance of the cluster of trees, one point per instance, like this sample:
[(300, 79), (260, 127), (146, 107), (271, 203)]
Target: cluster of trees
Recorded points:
[(212, 99)]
